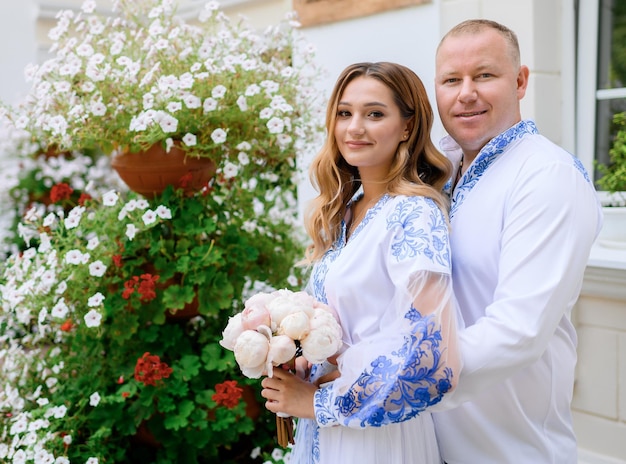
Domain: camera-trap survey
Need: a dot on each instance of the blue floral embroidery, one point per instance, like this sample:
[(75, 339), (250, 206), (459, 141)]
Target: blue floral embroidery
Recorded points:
[(486, 157), (396, 388), (579, 165), (410, 241)]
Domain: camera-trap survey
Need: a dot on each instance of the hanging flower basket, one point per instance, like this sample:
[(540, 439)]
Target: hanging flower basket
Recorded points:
[(149, 172)]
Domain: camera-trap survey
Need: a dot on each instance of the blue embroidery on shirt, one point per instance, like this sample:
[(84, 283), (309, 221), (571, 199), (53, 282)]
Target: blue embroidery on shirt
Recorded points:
[(579, 165), (489, 153)]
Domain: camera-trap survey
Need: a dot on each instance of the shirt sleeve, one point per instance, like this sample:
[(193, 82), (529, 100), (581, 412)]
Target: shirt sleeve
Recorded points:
[(412, 361)]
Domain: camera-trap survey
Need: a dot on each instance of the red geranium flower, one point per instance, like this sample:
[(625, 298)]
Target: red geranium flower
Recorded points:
[(83, 198), (60, 191), (227, 394), (186, 180), (117, 260), (147, 286), (67, 325), (149, 369)]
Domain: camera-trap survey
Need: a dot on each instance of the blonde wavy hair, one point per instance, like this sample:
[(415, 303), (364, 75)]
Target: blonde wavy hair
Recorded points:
[(418, 167)]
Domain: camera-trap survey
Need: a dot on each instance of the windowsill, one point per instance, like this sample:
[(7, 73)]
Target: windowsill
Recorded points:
[(607, 257)]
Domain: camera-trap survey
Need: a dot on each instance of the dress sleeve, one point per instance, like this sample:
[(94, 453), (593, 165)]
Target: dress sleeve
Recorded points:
[(412, 361)]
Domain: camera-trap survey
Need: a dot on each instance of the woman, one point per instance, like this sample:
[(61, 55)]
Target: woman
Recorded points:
[(382, 262)]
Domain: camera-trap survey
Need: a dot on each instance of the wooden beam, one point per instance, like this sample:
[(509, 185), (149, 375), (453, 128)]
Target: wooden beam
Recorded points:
[(315, 12)]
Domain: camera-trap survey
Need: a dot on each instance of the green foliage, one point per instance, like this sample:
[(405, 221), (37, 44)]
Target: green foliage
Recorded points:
[(614, 174)]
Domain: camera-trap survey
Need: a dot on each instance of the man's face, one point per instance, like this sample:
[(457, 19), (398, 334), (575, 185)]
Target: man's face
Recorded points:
[(478, 88)]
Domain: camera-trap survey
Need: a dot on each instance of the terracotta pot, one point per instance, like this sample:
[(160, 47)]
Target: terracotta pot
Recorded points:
[(150, 172)]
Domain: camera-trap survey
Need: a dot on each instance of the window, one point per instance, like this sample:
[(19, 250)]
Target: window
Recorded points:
[(611, 72)]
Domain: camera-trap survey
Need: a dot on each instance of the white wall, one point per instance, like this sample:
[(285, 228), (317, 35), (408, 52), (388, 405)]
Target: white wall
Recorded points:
[(17, 36)]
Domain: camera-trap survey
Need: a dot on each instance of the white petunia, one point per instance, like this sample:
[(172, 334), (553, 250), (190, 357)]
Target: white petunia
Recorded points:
[(60, 309), (252, 90), (131, 231), (275, 125), (95, 300), (74, 257), (173, 107), (266, 113), (209, 105), (98, 108), (163, 212), (93, 318), (242, 103), (110, 198), (243, 158), (93, 243), (230, 170), (218, 136), (71, 222), (189, 139), (168, 123), (218, 91), (149, 217), (191, 101), (94, 399), (97, 269)]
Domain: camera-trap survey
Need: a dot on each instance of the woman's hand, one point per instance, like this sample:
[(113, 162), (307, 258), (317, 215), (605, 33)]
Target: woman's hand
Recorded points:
[(287, 393)]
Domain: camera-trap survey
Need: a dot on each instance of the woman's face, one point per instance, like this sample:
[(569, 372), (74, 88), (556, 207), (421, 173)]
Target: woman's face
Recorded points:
[(369, 126)]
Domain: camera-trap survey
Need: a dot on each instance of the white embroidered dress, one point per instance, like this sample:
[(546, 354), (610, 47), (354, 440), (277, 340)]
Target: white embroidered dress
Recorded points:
[(390, 285)]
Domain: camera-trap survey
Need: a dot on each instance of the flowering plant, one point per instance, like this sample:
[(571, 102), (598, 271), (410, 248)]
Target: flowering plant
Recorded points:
[(276, 327), (144, 76), (98, 349), (113, 305)]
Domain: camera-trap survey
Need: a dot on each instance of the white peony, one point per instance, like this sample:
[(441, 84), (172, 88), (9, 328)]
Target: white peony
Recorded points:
[(321, 343), (295, 325), (282, 350), (233, 329), (251, 349), (254, 316), (289, 303)]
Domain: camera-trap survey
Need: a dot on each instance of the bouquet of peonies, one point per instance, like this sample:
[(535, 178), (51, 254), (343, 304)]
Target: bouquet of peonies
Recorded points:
[(276, 327)]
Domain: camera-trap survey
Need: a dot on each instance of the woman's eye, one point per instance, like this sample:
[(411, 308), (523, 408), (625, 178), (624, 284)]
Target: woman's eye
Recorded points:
[(376, 114), (343, 113)]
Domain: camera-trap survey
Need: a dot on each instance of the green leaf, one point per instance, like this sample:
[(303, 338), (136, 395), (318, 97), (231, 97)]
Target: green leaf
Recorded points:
[(178, 421), (190, 366)]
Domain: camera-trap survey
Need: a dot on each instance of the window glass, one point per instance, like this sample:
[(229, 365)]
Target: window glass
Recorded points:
[(611, 94)]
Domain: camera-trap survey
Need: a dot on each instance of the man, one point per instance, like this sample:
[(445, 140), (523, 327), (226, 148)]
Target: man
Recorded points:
[(524, 215)]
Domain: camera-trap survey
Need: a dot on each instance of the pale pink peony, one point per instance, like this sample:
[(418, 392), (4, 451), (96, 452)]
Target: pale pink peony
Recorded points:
[(282, 350), (285, 304), (233, 329), (254, 316), (260, 299), (251, 349), (324, 316), (295, 325), (321, 343)]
